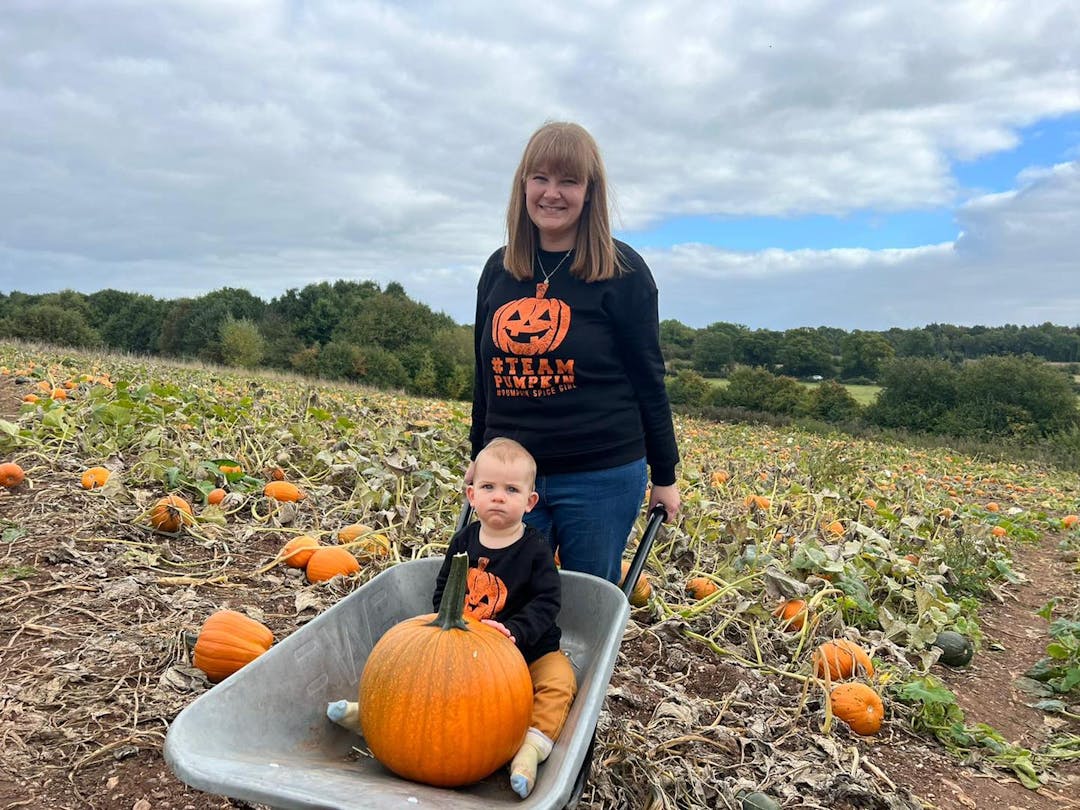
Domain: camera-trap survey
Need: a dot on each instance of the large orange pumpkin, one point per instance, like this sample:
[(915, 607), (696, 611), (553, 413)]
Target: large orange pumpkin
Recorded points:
[(227, 641), (11, 475), (170, 513), (428, 711), (859, 706), (841, 659), (530, 326)]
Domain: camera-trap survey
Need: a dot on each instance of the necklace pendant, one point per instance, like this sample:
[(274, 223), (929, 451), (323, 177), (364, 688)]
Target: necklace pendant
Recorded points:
[(541, 289)]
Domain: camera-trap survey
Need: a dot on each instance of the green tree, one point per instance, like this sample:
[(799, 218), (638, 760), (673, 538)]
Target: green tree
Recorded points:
[(711, 352), (1019, 397), (805, 353), (916, 394), (832, 402), (757, 390), (676, 340), (863, 353), (689, 389), (242, 343), (53, 323)]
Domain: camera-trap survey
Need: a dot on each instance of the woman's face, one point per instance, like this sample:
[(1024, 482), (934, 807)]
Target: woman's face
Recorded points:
[(554, 203)]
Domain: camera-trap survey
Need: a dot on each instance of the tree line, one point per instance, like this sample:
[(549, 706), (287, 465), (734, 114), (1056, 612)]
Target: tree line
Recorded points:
[(344, 330), (978, 382), (858, 356)]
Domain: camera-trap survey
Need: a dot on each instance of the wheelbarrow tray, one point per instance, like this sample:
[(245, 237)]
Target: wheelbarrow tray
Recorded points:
[(262, 735)]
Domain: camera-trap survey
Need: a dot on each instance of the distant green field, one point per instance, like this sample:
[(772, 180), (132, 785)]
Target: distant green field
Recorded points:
[(863, 394)]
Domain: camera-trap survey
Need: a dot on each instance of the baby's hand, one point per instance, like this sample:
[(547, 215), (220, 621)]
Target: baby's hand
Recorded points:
[(500, 627)]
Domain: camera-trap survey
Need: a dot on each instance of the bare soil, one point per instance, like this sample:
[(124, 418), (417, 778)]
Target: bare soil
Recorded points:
[(93, 669)]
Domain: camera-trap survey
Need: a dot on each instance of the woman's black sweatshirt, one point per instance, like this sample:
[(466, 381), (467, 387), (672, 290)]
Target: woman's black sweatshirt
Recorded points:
[(576, 376)]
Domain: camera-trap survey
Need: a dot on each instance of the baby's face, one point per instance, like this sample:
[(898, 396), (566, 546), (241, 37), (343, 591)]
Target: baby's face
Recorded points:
[(501, 492)]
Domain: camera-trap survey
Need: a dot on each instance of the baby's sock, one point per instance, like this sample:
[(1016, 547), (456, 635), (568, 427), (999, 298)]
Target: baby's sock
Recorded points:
[(533, 751), (345, 713)]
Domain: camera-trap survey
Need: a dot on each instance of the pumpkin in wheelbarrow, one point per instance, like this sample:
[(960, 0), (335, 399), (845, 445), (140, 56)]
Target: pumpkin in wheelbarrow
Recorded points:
[(445, 699)]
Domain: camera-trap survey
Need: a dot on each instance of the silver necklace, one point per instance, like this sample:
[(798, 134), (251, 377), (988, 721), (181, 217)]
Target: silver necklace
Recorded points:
[(542, 286)]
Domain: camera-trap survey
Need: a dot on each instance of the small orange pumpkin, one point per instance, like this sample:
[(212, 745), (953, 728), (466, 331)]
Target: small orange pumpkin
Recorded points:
[(859, 706), (719, 478), (835, 528), (170, 513), (841, 659), (346, 534), (94, 477), (639, 597), (792, 614), (700, 587), (59, 393), (215, 496), (297, 552), (11, 475), (1070, 520), (31, 398), (284, 491), (757, 502), (227, 641), (327, 562)]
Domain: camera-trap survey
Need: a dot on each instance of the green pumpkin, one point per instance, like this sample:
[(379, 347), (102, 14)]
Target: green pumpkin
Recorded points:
[(759, 801), (956, 649)]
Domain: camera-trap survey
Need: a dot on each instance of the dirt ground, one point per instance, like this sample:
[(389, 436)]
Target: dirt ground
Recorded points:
[(93, 666)]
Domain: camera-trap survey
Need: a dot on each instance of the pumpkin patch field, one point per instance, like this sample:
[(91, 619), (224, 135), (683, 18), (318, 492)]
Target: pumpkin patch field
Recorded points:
[(831, 622)]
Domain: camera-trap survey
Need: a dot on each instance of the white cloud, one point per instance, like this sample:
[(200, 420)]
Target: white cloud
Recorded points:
[(176, 147), (1016, 262)]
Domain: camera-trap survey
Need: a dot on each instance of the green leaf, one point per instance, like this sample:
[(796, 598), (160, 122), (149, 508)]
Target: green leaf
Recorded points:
[(1057, 651)]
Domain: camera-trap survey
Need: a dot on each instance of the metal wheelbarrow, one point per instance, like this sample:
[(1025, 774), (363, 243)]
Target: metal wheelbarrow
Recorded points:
[(262, 734)]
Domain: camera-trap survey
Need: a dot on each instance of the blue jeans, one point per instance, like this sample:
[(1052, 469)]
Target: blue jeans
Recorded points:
[(588, 516)]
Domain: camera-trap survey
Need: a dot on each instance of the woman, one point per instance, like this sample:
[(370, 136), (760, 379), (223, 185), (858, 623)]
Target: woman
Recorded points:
[(568, 358)]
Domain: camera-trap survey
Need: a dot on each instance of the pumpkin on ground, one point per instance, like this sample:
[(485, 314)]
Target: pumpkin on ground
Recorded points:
[(639, 597), (956, 649), (215, 496), (841, 659), (368, 544), (859, 706), (170, 513), (1070, 520), (94, 477), (284, 491), (792, 614), (700, 587), (297, 552), (327, 562), (426, 711), (346, 534), (11, 475), (227, 641)]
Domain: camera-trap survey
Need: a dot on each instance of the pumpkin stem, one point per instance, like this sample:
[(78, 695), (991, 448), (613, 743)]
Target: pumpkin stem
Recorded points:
[(452, 606)]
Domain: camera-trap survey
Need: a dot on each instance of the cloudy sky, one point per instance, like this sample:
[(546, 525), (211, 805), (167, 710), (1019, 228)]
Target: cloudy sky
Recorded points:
[(859, 164)]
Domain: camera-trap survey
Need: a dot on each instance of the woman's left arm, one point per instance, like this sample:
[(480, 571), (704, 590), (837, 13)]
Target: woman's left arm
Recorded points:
[(635, 315)]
